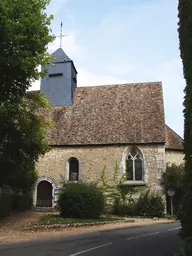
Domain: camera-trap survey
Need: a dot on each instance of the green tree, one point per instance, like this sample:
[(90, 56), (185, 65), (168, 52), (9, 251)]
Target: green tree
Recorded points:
[(185, 38), (174, 178), (24, 134), (24, 35)]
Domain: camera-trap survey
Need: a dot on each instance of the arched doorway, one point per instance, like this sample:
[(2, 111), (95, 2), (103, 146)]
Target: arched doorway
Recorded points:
[(44, 194)]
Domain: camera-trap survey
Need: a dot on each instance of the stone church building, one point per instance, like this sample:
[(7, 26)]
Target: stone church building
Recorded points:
[(100, 126)]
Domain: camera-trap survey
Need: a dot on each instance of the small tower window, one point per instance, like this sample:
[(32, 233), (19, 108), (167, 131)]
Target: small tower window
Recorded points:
[(55, 74), (73, 169)]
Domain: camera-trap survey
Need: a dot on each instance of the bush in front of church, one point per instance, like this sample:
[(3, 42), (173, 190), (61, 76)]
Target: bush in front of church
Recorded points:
[(147, 205), (150, 205), (81, 200)]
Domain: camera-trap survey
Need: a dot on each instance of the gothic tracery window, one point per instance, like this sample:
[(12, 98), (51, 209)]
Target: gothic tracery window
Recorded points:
[(134, 165)]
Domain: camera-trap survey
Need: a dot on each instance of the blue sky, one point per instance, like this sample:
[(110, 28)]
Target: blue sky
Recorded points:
[(121, 41)]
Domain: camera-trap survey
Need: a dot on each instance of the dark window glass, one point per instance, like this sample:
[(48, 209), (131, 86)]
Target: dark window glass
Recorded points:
[(138, 169), (73, 169), (130, 169)]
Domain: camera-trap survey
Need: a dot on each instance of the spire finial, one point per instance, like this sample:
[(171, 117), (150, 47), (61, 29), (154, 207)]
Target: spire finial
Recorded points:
[(61, 34)]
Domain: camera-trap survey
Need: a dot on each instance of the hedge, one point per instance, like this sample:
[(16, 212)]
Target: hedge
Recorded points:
[(11, 203), (6, 203), (147, 205), (22, 203)]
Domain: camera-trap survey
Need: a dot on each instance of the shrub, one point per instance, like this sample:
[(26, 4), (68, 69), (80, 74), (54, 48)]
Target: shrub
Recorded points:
[(108, 208), (174, 178), (22, 202), (123, 209), (6, 202), (118, 189), (10, 203), (150, 205), (186, 250), (185, 217), (81, 200)]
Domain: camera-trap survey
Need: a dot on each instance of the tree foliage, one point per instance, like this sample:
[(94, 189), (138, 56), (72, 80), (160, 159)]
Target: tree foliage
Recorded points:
[(185, 38), (22, 140), (174, 178), (150, 204), (24, 35)]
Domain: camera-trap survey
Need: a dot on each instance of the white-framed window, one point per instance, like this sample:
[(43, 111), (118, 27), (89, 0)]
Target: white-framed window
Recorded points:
[(73, 169), (134, 165)]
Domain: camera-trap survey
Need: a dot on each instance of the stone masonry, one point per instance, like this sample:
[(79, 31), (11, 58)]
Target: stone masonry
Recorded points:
[(93, 159), (173, 156), (54, 167)]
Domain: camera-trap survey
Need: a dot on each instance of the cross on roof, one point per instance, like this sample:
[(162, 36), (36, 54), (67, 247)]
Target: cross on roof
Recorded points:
[(61, 34)]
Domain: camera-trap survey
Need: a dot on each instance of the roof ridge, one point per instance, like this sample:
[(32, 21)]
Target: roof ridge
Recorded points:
[(123, 84)]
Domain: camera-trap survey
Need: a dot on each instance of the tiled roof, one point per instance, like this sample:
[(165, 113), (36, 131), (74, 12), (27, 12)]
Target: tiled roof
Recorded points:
[(173, 140), (110, 114)]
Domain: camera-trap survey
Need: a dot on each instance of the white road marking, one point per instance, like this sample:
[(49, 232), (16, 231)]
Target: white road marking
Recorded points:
[(128, 239), (173, 229), (91, 249), (136, 237)]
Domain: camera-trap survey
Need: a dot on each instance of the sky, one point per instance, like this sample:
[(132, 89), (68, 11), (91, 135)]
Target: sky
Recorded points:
[(123, 41)]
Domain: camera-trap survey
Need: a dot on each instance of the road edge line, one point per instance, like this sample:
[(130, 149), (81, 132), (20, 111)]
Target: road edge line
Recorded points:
[(174, 229), (136, 237)]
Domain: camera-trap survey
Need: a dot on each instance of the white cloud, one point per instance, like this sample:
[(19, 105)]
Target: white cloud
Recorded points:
[(35, 86), (55, 6), (125, 21), (121, 70), (69, 44), (171, 75), (88, 78), (70, 16)]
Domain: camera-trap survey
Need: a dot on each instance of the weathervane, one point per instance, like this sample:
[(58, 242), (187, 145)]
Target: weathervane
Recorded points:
[(61, 35)]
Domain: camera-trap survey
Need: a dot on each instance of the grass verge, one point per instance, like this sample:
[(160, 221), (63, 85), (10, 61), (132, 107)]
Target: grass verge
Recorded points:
[(51, 219)]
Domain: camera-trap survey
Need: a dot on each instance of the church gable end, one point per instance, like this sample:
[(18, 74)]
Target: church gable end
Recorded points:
[(173, 140), (173, 147)]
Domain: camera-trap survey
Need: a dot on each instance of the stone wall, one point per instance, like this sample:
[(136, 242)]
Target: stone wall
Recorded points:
[(92, 160), (173, 156)]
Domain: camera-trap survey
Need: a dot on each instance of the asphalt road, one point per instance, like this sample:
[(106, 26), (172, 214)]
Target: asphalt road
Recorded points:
[(149, 240)]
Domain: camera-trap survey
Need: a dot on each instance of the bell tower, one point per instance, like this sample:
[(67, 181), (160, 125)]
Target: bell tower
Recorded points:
[(60, 82)]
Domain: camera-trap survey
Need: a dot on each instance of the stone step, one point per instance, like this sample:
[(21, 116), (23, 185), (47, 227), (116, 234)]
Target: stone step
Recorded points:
[(43, 209)]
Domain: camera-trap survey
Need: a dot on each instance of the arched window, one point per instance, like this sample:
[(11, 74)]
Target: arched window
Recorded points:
[(134, 165), (73, 169)]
